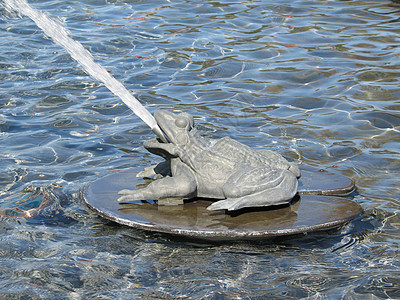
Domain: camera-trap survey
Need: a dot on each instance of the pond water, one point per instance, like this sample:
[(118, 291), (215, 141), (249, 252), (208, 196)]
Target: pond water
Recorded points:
[(316, 80)]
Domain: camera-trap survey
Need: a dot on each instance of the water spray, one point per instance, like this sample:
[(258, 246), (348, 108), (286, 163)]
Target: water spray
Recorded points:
[(59, 34)]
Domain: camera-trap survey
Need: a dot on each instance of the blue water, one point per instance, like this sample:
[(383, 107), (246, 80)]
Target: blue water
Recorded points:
[(315, 80)]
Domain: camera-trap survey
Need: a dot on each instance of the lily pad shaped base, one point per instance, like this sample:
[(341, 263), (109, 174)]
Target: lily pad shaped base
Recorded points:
[(308, 212)]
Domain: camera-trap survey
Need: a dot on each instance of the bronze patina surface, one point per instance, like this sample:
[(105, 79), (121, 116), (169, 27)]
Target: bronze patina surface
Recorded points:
[(306, 213)]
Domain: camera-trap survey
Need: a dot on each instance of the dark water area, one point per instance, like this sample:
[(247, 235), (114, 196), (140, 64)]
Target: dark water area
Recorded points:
[(317, 81)]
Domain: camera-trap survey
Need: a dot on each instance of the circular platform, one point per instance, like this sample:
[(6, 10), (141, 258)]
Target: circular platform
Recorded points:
[(306, 214)]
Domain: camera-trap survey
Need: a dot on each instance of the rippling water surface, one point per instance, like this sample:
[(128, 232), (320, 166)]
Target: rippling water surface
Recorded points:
[(315, 80)]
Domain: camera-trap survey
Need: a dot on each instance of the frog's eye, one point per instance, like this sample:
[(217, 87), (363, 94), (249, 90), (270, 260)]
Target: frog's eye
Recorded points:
[(181, 122)]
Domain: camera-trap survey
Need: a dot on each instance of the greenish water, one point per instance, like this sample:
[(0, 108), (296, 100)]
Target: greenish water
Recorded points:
[(315, 80)]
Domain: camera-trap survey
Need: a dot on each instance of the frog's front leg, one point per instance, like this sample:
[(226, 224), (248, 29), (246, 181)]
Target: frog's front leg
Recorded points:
[(255, 187), (181, 185)]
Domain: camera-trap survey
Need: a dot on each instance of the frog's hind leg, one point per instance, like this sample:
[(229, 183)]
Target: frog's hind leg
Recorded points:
[(279, 188), (281, 162)]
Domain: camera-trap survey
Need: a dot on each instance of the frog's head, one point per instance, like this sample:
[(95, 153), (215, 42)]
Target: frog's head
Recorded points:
[(176, 126)]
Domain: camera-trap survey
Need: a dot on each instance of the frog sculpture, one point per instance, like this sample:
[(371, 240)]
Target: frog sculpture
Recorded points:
[(223, 169)]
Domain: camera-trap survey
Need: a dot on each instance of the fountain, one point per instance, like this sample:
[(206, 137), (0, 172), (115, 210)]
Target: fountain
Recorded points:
[(307, 205)]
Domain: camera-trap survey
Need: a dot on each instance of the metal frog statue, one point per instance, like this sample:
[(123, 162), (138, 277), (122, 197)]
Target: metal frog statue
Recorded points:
[(222, 169)]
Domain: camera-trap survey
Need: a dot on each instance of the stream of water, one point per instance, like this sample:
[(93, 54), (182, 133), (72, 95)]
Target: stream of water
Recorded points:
[(58, 33), (315, 80)]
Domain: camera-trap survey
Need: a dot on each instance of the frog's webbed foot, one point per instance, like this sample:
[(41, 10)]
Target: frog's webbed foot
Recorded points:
[(227, 204), (280, 186), (163, 169)]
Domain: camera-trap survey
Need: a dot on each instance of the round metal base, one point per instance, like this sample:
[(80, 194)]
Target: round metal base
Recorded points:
[(306, 213)]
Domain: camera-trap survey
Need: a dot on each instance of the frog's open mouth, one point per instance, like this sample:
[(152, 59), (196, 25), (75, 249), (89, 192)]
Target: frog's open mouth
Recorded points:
[(163, 118)]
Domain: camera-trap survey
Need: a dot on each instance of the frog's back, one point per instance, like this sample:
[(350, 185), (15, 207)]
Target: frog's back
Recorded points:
[(238, 152)]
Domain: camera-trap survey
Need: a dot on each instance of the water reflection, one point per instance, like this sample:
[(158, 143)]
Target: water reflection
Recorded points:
[(316, 81), (194, 217), (43, 201)]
